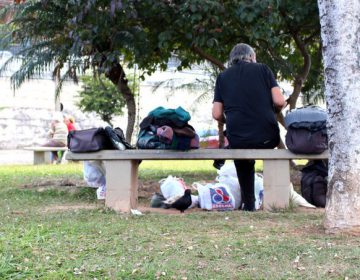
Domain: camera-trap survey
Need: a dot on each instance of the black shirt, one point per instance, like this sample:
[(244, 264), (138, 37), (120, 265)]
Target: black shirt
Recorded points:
[(245, 91)]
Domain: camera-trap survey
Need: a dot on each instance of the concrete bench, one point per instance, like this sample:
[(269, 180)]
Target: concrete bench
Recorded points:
[(42, 154), (122, 171)]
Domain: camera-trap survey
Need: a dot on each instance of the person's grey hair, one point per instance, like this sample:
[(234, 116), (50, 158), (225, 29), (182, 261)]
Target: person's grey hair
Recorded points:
[(241, 52)]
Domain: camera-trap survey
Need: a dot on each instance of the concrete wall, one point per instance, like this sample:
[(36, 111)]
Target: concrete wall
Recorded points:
[(25, 114)]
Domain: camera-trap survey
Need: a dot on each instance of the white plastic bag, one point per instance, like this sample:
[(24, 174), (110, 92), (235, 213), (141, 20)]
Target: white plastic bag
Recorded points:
[(94, 173), (297, 199), (234, 187), (172, 186), (227, 175), (194, 201), (259, 190), (101, 192), (228, 169), (215, 196)]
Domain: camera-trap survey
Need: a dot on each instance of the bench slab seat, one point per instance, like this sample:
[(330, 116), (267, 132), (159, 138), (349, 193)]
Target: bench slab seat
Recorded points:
[(42, 154), (122, 170)]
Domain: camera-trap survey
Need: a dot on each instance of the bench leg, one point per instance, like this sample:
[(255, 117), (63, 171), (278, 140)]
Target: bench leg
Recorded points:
[(121, 184), (41, 157), (47, 157), (276, 184)]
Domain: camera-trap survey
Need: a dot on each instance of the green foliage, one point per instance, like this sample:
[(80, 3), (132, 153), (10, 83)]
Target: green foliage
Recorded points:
[(285, 34), (101, 96)]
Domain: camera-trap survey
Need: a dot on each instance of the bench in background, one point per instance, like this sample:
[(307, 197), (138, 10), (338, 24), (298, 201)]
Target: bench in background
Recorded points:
[(42, 154), (122, 171)]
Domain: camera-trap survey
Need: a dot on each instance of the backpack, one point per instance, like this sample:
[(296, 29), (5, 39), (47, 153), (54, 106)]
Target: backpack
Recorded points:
[(314, 182), (148, 139), (307, 138), (306, 130), (117, 138)]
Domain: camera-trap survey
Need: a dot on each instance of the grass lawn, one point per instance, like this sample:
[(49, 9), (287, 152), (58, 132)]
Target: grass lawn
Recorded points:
[(52, 230)]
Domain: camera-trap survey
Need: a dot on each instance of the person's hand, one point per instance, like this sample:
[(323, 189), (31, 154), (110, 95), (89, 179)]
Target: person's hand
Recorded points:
[(279, 109)]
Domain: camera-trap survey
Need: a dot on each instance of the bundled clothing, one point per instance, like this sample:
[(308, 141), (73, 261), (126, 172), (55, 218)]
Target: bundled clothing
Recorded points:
[(167, 129)]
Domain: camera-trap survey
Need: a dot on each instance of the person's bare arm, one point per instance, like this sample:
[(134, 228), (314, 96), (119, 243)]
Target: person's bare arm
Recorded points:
[(278, 99), (218, 112)]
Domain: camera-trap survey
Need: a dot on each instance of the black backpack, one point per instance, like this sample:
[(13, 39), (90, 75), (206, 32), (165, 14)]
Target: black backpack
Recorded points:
[(306, 130), (117, 138), (314, 182), (307, 138)]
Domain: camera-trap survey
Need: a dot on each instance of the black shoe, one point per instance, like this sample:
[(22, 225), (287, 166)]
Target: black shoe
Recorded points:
[(218, 163), (250, 207)]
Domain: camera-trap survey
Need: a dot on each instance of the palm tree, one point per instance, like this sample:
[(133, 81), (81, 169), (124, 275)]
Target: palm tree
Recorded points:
[(63, 35)]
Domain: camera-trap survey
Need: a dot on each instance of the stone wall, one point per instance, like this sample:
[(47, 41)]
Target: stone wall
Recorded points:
[(21, 127)]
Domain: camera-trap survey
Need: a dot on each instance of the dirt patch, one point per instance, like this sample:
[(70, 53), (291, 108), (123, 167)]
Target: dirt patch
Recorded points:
[(147, 210), (145, 191), (64, 207), (148, 188), (295, 177)]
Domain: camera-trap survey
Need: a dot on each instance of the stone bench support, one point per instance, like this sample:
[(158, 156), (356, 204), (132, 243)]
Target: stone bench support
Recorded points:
[(42, 154), (122, 171)]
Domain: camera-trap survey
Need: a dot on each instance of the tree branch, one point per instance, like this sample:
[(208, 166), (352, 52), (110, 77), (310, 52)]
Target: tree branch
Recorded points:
[(208, 57), (307, 59), (314, 34)]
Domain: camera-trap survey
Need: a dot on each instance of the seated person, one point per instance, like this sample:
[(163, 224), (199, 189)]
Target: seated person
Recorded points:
[(57, 135), (70, 122)]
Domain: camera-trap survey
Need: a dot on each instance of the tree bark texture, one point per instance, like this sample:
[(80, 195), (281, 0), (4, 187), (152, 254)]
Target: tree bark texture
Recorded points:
[(340, 32), (118, 78), (56, 76)]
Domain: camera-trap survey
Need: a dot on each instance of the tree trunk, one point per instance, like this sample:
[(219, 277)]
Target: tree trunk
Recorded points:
[(56, 75), (118, 77), (340, 32)]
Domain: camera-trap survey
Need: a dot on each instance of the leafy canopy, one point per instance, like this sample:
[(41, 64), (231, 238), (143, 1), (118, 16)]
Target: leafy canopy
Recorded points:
[(284, 33), (84, 33)]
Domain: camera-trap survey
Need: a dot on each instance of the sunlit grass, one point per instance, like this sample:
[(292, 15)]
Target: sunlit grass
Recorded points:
[(65, 233)]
